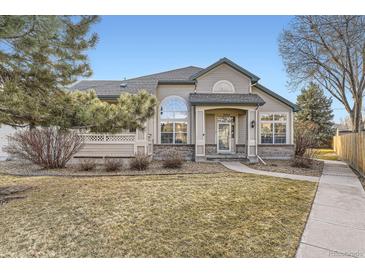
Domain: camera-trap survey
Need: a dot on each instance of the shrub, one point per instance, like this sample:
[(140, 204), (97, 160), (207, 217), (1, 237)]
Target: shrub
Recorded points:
[(46, 147), (172, 159), (113, 165), (301, 162), (304, 137), (305, 161), (140, 161), (87, 165)]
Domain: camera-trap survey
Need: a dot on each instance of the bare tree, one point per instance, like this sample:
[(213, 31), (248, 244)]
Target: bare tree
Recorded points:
[(329, 50)]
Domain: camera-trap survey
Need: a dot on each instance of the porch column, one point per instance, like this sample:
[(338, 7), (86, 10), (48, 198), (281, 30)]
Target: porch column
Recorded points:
[(251, 135), (199, 133)]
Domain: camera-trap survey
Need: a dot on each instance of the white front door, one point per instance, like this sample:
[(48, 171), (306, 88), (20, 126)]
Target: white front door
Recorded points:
[(224, 137)]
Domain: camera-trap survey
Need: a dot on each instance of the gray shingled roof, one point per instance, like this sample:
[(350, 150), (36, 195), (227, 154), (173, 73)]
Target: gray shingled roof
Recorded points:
[(110, 89), (176, 74), (113, 88), (225, 99)]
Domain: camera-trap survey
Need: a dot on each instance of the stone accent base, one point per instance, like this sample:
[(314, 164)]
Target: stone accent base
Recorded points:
[(276, 151), (210, 149), (186, 151), (240, 148)]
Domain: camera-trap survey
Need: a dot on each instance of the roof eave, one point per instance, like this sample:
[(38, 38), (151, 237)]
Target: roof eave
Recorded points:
[(277, 96), (225, 104), (108, 97)]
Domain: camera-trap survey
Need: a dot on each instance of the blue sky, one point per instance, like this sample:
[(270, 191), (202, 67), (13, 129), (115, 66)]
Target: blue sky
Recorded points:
[(131, 46)]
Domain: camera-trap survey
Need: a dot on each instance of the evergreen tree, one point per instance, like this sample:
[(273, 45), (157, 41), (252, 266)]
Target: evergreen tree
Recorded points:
[(39, 56), (316, 108), (80, 109)]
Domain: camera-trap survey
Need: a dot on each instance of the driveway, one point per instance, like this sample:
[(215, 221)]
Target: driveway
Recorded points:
[(336, 224)]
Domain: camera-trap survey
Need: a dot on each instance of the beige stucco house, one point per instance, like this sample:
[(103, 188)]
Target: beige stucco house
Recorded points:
[(206, 113)]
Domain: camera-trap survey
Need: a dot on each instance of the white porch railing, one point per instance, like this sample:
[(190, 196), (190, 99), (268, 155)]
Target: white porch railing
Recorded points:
[(116, 145), (95, 138)]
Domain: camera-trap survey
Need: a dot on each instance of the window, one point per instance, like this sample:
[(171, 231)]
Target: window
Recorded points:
[(174, 121), (223, 86), (273, 128)]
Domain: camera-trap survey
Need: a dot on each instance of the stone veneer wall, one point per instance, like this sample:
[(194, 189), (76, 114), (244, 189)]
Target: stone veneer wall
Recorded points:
[(187, 151), (210, 149), (241, 148), (276, 151)]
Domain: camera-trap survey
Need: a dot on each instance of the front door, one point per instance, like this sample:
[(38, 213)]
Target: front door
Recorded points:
[(224, 137)]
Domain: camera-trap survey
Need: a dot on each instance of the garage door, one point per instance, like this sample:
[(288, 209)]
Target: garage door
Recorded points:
[(4, 132)]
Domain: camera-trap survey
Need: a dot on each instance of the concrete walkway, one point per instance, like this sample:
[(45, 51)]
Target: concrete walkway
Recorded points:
[(237, 166), (336, 224)]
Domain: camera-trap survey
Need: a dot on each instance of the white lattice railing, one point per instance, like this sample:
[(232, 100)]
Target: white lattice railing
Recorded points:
[(95, 138)]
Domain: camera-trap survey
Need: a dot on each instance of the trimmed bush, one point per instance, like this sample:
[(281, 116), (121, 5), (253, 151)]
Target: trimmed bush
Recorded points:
[(87, 165), (113, 165), (46, 147), (140, 161), (172, 159)]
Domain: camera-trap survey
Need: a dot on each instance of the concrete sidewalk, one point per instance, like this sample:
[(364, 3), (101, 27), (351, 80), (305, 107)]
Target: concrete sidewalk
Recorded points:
[(336, 224), (237, 166)]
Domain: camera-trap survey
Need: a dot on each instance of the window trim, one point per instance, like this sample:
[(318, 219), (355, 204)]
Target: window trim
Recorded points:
[(173, 121), (273, 130), (223, 81)]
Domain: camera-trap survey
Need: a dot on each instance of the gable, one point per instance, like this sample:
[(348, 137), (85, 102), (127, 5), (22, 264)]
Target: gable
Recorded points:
[(223, 72), (228, 62), (271, 103)]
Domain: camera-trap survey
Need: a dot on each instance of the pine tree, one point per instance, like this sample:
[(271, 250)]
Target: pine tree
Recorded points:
[(316, 108), (39, 56)]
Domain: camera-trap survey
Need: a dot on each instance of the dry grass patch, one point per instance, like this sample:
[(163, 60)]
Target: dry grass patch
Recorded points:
[(200, 215), (326, 154)]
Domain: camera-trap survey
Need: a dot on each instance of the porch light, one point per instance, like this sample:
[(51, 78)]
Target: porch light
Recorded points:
[(253, 123)]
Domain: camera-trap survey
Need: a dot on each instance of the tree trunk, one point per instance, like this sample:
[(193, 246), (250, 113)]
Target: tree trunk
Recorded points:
[(356, 116)]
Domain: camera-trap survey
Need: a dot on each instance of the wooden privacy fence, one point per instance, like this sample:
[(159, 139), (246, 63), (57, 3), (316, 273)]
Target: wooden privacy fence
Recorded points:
[(351, 148)]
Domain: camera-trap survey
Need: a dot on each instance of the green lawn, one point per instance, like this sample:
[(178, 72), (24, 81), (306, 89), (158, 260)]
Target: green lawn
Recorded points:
[(326, 154), (201, 215)]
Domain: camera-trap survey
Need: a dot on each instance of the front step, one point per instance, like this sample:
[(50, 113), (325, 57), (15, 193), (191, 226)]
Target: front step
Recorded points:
[(227, 157)]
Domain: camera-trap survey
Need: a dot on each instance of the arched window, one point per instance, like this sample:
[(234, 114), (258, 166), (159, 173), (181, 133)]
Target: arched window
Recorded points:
[(223, 86), (174, 120)]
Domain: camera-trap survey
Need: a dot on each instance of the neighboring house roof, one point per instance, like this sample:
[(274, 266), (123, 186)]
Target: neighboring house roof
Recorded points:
[(224, 60), (225, 99), (111, 89)]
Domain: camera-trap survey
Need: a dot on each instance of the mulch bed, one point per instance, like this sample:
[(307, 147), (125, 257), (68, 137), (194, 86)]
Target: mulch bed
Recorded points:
[(284, 166), (21, 168)]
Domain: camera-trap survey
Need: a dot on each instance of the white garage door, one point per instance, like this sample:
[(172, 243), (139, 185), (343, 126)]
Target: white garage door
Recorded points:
[(4, 132)]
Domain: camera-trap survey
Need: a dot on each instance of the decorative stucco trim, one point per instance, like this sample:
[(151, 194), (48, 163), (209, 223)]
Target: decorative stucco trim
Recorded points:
[(225, 82)]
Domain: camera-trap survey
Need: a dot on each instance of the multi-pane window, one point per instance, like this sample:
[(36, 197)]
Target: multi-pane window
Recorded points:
[(174, 121), (273, 128)]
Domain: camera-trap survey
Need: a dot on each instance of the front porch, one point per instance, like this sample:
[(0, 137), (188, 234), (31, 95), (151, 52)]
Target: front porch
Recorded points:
[(226, 133)]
